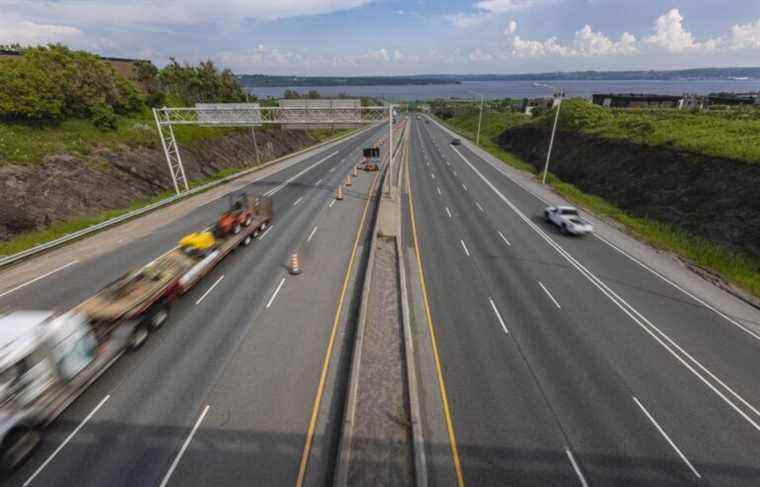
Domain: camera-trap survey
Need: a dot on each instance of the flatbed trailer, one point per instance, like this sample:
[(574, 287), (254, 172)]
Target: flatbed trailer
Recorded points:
[(49, 359)]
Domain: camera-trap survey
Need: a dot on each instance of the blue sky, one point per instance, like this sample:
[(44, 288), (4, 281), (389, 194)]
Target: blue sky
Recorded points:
[(384, 37)]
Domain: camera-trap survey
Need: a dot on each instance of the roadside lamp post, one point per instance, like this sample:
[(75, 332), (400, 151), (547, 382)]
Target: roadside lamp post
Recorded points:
[(480, 117), (558, 94)]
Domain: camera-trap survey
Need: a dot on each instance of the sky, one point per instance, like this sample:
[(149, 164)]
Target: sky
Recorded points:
[(400, 37)]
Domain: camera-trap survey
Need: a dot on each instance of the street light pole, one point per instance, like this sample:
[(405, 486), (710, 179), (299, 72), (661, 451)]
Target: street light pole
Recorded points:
[(551, 140), (480, 121)]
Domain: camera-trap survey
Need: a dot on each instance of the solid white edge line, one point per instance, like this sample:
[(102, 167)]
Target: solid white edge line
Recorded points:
[(465, 248), (300, 198), (448, 212), (498, 315), (549, 294), (43, 276), (635, 316), (678, 287), (480, 207), (184, 447), (66, 441), (437, 188), (265, 232), (576, 467), (504, 238), (209, 290), (667, 438), (311, 234), (331, 204), (274, 294)]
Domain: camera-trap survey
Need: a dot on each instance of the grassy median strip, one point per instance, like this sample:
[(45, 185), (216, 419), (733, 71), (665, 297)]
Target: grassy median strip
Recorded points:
[(736, 268)]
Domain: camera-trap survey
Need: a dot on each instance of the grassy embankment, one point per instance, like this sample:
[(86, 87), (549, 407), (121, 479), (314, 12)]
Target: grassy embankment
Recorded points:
[(719, 134), (27, 145)]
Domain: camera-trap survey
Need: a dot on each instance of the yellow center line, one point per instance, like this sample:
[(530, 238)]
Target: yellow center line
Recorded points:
[(328, 353), (437, 359)]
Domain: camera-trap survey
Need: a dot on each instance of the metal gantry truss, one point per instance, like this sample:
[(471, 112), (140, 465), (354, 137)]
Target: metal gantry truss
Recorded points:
[(251, 115)]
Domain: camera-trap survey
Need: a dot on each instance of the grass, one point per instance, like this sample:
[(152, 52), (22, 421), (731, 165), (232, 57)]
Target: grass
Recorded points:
[(28, 240), (730, 134), (737, 268)]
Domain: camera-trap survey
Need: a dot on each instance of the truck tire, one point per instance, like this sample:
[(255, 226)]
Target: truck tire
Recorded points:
[(17, 446), (158, 316), (248, 221), (138, 338), (263, 226), (236, 229), (247, 240)]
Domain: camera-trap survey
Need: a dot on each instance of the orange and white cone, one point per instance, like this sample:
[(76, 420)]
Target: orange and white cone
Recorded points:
[(295, 265), (339, 193), (348, 181)]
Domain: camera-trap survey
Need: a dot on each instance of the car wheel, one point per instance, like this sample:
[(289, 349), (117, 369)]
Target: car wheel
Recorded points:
[(546, 215), (138, 338), (563, 229), (17, 447), (159, 316)]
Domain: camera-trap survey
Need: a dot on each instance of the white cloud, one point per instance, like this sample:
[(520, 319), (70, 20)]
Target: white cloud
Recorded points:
[(175, 11), (745, 36), (465, 21), (501, 6), (480, 56), (26, 32), (671, 36), (586, 43)]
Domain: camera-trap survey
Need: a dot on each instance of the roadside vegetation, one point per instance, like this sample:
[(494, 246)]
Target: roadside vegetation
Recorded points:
[(721, 134)]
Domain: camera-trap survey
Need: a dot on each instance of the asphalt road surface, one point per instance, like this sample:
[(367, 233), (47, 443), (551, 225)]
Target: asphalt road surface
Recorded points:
[(564, 361), (222, 394)]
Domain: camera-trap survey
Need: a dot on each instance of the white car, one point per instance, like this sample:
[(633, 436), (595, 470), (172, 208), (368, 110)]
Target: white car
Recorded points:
[(568, 220)]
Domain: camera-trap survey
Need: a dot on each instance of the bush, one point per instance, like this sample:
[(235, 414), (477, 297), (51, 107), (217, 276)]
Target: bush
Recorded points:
[(103, 117), (29, 94)]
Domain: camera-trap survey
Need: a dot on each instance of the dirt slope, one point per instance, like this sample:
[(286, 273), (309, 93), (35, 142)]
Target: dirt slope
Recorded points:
[(63, 186), (718, 199)]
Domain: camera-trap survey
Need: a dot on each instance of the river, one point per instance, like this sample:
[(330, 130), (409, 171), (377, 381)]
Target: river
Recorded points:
[(520, 89)]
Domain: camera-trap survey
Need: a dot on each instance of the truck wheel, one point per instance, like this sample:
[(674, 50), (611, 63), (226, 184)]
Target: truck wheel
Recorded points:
[(159, 316), (236, 229), (17, 446), (138, 338), (263, 226), (247, 240), (248, 221)]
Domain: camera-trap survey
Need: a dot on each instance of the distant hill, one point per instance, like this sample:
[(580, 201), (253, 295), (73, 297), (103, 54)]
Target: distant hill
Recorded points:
[(263, 80)]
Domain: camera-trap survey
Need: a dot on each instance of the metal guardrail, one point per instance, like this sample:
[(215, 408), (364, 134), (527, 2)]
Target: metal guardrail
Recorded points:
[(44, 247)]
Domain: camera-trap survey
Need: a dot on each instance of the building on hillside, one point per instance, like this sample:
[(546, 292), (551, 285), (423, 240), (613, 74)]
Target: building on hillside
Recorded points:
[(638, 100), (124, 66), (733, 99)]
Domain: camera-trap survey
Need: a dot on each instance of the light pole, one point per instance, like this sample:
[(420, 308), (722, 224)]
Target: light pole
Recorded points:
[(480, 117), (560, 94)]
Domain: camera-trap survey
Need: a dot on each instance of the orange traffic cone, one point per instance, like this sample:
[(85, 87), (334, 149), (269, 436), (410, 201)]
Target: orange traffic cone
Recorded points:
[(295, 265), (339, 193), (355, 172), (348, 181)]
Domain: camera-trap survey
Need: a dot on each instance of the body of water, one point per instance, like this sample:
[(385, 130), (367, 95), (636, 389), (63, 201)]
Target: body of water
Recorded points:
[(519, 89)]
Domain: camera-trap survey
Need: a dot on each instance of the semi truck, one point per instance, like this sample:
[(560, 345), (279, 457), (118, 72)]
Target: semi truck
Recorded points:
[(48, 359)]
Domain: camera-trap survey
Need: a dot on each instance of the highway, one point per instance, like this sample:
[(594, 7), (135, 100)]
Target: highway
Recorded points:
[(223, 393), (564, 361)]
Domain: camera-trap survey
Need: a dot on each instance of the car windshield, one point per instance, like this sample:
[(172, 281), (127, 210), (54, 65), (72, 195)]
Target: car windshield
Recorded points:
[(569, 211)]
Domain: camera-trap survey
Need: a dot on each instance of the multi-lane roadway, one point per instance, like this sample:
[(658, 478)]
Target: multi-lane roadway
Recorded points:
[(562, 360), (224, 393)]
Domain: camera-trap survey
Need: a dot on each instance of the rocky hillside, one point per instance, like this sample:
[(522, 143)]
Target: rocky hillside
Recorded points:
[(716, 198), (65, 186)]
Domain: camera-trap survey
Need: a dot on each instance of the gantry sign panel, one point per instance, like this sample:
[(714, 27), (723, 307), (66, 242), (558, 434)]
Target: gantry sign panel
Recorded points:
[(343, 113)]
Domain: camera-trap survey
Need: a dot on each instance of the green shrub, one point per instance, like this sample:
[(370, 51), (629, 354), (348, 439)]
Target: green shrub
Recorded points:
[(103, 117)]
